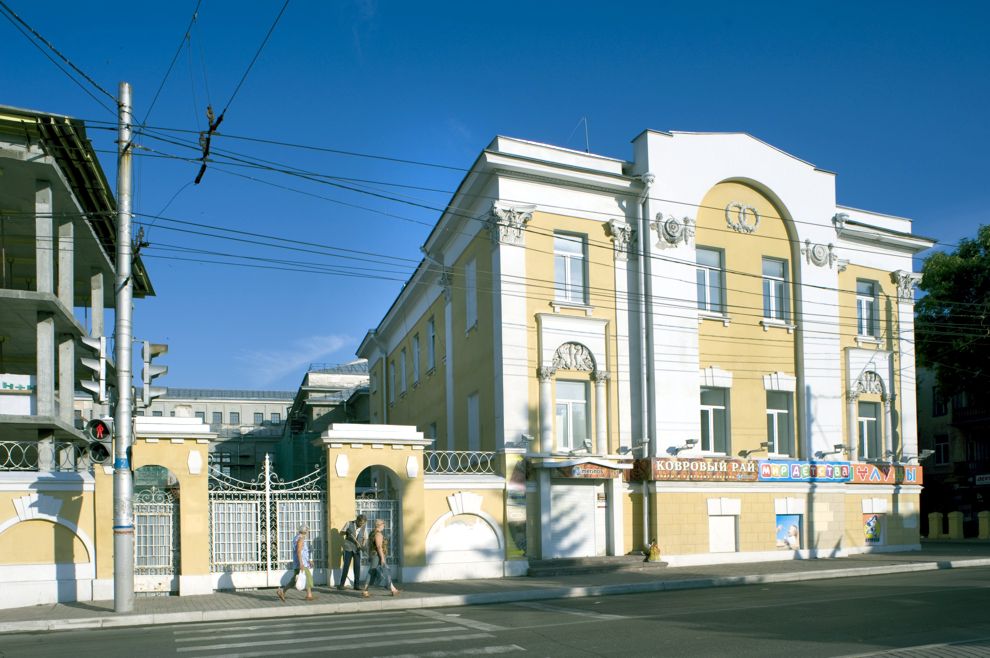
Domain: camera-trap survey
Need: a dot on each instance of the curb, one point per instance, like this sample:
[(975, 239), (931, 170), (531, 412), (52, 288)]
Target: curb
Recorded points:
[(487, 598)]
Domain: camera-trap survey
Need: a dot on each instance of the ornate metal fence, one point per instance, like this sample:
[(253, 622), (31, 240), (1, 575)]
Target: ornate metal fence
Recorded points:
[(374, 508), (156, 533), (24, 456), (474, 462), (252, 525)]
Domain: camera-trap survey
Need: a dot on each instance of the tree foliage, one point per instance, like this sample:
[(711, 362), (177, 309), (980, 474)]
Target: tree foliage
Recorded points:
[(952, 328)]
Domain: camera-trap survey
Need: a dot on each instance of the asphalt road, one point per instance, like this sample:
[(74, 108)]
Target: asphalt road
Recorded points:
[(939, 613)]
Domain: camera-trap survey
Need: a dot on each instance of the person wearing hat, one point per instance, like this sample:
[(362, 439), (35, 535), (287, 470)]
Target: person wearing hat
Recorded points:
[(301, 563), (355, 543)]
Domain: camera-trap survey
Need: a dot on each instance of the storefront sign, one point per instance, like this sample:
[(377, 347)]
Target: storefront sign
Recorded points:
[(588, 472), (982, 480), (704, 469), (794, 471), (886, 474), (17, 394)]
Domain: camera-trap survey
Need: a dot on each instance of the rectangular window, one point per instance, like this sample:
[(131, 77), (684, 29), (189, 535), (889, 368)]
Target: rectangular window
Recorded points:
[(867, 319), (391, 381), (201, 415), (780, 429), (941, 449), (402, 370), (431, 344), (572, 415), (714, 428), (474, 423), (276, 418), (569, 268), (156, 413), (940, 406), (217, 418), (776, 304), (431, 431), (471, 294), (259, 418), (235, 418), (869, 431), (415, 358), (710, 278)]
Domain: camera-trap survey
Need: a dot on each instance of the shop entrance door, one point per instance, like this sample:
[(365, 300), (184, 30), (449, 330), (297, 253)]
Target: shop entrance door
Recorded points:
[(575, 527)]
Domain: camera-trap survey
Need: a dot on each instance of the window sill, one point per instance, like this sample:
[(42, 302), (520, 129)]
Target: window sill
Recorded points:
[(868, 340), (574, 306), (780, 324), (706, 315), (779, 457)]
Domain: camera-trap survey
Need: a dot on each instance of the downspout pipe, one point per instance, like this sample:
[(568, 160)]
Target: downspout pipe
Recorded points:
[(648, 385)]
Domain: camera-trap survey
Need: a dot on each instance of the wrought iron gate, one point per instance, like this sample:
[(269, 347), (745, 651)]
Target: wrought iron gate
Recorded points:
[(252, 525), (156, 535), (374, 508)]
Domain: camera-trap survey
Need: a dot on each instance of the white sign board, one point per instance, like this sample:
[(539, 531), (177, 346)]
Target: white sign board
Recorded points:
[(17, 395)]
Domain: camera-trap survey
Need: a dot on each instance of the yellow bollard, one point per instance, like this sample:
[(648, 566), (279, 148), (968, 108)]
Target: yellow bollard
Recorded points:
[(934, 525), (984, 518), (955, 525)]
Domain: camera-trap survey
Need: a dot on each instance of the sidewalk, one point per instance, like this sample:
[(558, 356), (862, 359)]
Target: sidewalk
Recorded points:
[(259, 604)]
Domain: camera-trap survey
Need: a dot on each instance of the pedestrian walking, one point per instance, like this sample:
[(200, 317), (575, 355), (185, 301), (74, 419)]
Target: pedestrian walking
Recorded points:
[(355, 544), (378, 572), (301, 564)]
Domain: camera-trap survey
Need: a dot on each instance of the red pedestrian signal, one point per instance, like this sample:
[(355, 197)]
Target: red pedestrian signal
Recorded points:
[(100, 434)]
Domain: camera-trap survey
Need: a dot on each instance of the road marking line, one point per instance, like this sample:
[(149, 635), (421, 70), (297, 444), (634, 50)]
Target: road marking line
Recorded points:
[(264, 632), (924, 649), (237, 645), (570, 611), (461, 621), (357, 645), (477, 651), (214, 626)]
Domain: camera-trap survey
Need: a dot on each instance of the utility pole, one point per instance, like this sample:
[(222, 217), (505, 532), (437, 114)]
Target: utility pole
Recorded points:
[(123, 485)]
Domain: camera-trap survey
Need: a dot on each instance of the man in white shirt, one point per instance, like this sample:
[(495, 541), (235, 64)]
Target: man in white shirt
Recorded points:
[(355, 543)]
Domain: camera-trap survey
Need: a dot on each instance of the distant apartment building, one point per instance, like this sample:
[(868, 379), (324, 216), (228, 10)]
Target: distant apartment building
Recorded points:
[(248, 423), (329, 393), (957, 432)]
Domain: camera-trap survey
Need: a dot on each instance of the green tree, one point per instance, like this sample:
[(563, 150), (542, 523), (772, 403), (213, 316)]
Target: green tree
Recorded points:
[(952, 328)]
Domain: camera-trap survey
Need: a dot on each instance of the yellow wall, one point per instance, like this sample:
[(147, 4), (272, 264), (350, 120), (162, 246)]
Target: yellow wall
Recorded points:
[(39, 541), (601, 298), (887, 308), (744, 348)]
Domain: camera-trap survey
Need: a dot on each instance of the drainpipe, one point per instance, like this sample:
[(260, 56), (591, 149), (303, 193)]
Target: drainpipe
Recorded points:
[(648, 385)]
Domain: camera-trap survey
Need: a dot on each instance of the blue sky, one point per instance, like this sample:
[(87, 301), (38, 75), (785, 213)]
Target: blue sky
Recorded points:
[(891, 96)]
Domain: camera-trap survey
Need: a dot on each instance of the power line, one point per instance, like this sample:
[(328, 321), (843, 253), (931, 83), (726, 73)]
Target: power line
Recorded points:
[(175, 57), (254, 59)]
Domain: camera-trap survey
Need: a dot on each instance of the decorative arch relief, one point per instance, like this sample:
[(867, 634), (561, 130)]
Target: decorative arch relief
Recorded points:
[(672, 231), (742, 217), (37, 506), (464, 502), (869, 382), (573, 356)]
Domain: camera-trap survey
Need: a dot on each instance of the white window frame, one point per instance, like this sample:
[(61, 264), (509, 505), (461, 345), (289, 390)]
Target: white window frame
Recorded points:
[(773, 425), (415, 359), (402, 370), (706, 275), (569, 291), (431, 344), (473, 422), (708, 413), (868, 304), (235, 417), (565, 435), (259, 418), (276, 418), (862, 435), (391, 382), (942, 449), (470, 294), (776, 296)]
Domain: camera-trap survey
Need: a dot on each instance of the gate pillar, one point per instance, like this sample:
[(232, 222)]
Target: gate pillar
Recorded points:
[(351, 448), (181, 445)]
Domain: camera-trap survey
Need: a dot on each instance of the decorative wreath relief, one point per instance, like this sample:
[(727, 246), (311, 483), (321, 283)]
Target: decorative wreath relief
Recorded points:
[(673, 231), (738, 216), (819, 254)]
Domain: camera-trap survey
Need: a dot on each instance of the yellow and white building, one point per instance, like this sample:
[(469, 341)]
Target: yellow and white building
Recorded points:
[(698, 345)]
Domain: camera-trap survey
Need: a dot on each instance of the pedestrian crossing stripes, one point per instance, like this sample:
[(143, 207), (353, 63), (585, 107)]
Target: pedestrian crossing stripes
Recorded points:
[(366, 633)]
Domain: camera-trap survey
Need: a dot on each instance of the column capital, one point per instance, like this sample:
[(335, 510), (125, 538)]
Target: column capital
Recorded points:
[(906, 281), (623, 239), (545, 373), (600, 376), (446, 284), (506, 222)]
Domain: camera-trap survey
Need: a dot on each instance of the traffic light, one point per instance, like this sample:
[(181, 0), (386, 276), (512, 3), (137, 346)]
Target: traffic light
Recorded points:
[(148, 352), (97, 367), (99, 431)]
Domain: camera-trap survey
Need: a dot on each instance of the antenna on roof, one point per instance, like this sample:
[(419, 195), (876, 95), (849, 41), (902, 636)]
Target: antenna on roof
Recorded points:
[(587, 143)]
